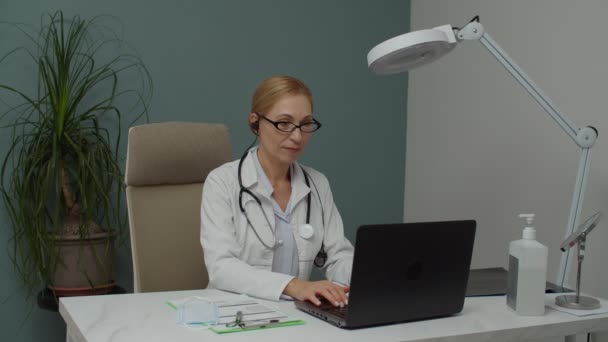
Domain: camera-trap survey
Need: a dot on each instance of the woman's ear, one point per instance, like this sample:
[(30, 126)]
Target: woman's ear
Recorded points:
[(254, 123)]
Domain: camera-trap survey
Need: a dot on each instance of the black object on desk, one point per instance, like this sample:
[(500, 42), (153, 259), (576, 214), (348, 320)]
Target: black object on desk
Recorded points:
[(493, 282), (48, 301)]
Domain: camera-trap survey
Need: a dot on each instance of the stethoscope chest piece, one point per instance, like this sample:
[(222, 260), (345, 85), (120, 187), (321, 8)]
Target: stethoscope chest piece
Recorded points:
[(306, 231)]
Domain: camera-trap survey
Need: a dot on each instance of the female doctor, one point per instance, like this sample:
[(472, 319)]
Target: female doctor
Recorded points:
[(266, 219)]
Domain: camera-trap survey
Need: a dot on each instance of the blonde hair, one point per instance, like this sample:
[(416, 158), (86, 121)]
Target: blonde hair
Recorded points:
[(272, 89)]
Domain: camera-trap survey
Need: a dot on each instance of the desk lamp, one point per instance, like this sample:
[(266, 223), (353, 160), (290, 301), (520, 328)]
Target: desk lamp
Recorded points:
[(414, 49)]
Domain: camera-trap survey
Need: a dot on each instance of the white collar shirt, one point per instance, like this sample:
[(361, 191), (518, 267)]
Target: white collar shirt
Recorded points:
[(285, 259)]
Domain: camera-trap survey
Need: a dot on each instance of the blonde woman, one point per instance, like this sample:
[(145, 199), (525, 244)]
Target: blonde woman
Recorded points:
[(265, 218)]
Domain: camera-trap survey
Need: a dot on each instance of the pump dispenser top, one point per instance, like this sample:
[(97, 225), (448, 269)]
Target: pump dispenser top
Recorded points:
[(529, 231)]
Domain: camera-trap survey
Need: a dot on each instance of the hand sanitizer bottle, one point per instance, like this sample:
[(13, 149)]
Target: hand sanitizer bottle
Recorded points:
[(527, 272)]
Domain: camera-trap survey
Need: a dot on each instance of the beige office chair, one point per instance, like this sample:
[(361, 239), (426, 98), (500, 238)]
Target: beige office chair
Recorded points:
[(167, 164)]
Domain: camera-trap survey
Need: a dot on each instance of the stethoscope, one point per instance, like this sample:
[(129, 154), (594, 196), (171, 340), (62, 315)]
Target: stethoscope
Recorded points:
[(306, 231)]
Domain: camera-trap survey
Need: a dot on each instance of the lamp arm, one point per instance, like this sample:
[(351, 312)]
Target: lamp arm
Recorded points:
[(585, 137), (475, 31)]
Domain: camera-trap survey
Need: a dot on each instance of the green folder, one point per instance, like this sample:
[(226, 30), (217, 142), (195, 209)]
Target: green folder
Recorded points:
[(222, 329)]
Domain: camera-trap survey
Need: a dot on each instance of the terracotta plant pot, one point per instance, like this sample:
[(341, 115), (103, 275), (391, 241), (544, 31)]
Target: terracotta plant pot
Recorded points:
[(85, 266)]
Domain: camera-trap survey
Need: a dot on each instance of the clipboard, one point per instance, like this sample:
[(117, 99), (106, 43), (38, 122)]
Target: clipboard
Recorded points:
[(253, 315)]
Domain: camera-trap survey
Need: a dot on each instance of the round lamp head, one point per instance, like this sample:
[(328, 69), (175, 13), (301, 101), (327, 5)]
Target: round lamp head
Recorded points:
[(411, 50)]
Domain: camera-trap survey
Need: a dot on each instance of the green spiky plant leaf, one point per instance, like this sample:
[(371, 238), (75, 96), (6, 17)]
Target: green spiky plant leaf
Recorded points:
[(63, 164)]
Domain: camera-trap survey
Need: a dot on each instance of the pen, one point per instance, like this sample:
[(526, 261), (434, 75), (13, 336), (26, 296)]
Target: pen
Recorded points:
[(259, 324)]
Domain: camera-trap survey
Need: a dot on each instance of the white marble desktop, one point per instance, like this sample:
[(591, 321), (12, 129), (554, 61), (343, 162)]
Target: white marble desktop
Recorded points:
[(146, 317)]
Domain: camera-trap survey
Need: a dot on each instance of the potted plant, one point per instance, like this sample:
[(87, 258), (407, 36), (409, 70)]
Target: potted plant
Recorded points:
[(61, 180)]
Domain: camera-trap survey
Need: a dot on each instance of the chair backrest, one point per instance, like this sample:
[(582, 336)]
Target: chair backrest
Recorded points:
[(167, 164)]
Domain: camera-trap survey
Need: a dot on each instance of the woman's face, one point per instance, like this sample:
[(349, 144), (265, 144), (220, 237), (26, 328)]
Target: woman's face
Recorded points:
[(278, 146)]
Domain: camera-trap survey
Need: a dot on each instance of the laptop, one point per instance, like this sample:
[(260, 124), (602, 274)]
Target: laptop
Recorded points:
[(404, 272)]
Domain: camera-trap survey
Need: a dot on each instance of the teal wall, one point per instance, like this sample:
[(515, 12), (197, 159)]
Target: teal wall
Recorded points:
[(206, 57)]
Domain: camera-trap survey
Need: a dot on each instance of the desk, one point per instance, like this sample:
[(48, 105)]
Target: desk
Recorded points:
[(146, 317)]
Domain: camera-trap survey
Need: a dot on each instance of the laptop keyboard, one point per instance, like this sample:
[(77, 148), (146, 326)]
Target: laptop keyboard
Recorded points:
[(335, 310)]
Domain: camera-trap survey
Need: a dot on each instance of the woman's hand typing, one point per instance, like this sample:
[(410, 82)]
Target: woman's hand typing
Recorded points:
[(312, 290)]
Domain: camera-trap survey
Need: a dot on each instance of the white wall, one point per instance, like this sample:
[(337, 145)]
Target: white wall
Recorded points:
[(479, 147)]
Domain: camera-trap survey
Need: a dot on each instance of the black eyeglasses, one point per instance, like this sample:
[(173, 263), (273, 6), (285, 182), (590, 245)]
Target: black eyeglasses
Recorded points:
[(286, 126)]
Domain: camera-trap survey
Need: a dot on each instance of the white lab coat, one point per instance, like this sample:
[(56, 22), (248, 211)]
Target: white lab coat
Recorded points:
[(237, 261)]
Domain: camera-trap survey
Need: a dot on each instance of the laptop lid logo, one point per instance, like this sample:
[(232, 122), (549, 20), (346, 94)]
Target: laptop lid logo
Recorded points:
[(414, 270)]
